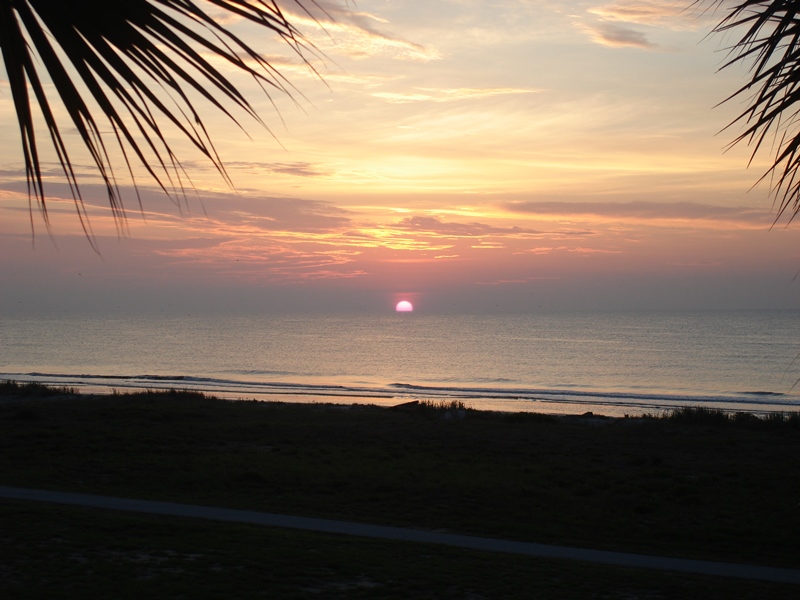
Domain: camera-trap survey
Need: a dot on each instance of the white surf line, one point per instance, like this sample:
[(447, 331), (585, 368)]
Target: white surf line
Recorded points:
[(603, 557)]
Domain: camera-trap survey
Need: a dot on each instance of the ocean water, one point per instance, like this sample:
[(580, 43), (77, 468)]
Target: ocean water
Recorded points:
[(607, 363)]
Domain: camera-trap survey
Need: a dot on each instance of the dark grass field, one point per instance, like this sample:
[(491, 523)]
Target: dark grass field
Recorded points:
[(698, 484), (63, 553)]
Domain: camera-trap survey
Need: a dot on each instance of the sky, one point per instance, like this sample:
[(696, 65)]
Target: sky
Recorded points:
[(468, 156)]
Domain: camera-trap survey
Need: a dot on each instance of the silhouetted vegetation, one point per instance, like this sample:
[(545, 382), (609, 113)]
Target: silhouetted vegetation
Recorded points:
[(612, 483), (767, 35), (126, 78), (691, 484), (700, 415), (14, 389)]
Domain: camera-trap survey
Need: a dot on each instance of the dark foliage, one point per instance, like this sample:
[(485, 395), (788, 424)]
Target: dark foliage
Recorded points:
[(135, 63), (767, 34)]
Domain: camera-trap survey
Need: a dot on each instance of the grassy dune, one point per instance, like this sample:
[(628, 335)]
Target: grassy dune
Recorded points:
[(697, 484)]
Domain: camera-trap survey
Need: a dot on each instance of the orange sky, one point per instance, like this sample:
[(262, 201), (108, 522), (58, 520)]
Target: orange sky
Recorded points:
[(512, 155)]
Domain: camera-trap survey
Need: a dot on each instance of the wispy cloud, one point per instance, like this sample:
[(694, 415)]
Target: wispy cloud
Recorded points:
[(283, 214), (436, 226), (220, 211), (266, 260), (698, 264), (649, 211), (618, 36), (516, 281), (544, 250), (645, 12), (297, 169), (581, 250), (357, 34), (611, 24), (672, 14), (449, 94)]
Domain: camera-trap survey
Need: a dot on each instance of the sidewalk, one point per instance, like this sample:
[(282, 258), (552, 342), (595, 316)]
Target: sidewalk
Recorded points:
[(619, 559)]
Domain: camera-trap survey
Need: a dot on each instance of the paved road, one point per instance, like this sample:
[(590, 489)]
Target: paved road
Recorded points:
[(621, 559)]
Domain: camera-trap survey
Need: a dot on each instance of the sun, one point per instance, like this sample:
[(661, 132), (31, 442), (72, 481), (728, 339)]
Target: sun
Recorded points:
[(404, 306)]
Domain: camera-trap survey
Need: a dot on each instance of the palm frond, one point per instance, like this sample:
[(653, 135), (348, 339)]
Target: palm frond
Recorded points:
[(769, 45), (138, 62)]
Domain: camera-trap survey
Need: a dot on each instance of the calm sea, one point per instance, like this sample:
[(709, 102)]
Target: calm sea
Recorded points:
[(607, 363)]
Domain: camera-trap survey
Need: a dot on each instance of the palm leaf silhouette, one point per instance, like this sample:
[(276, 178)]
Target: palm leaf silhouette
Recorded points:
[(134, 64), (770, 47)]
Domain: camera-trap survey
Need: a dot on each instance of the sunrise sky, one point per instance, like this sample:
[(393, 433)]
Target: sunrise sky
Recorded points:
[(465, 155)]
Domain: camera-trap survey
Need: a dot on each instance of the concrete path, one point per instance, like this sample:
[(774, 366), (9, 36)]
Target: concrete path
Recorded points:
[(620, 559)]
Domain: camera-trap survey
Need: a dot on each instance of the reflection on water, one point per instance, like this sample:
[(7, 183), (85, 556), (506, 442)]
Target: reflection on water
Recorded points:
[(620, 363)]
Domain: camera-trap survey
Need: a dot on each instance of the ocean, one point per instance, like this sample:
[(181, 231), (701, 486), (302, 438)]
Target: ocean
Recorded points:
[(607, 363)]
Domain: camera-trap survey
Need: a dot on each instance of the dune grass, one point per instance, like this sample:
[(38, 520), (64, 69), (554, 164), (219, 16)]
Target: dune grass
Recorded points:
[(10, 390), (701, 415)]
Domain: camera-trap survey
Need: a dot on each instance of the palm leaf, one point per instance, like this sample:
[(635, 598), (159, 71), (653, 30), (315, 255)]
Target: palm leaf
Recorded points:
[(770, 46), (138, 62)]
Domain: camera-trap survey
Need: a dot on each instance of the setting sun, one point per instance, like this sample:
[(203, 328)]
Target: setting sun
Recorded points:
[(404, 306)]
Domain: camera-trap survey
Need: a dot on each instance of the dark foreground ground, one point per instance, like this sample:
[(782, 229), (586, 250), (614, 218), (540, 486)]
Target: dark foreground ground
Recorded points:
[(696, 485)]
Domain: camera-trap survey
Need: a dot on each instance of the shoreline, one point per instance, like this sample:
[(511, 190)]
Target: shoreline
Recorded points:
[(618, 404), (343, 402), (453, 409)]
